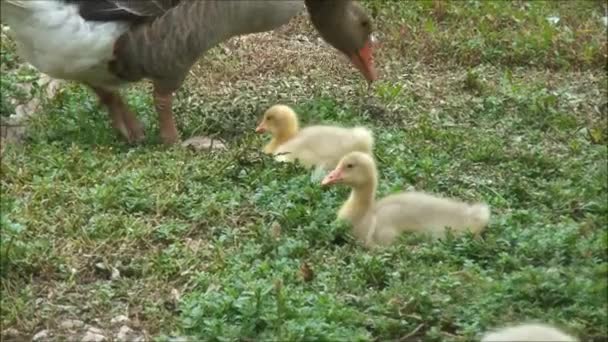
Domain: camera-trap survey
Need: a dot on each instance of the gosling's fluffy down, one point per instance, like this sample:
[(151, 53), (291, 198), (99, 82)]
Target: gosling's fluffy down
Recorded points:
[(415, 211), (528, 333), (320, 145), (381, 222)]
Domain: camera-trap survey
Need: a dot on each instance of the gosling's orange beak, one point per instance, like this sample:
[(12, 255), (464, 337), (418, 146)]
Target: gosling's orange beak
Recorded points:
[(364, 62), (333, 177), (261, 128)]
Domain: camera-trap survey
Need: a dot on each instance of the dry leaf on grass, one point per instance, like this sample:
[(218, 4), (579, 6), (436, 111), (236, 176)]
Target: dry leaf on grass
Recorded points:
[(306, 272)]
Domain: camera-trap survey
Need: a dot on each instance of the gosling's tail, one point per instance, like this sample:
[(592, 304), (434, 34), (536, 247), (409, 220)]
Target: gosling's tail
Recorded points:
[(364, 138)]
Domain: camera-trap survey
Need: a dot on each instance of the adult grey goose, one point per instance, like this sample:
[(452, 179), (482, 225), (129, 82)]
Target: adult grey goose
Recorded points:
[(109, 43)]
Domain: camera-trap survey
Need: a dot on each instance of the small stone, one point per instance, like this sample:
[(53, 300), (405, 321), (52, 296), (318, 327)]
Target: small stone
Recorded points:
[(201, 143), (72, 324), (125, 333), (93, 337), (115, 273), (10, 333), (119, 319), (41, 335), (94, 330)]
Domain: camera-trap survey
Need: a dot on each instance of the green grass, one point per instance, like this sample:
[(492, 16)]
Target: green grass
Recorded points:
[(527, 135), (515, 33)]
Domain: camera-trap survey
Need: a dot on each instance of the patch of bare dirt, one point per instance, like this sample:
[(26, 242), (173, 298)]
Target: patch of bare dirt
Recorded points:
[(294, 51)]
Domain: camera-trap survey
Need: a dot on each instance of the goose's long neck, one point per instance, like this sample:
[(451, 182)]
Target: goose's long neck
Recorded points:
[(287, 134), (166, 48), (364, 196), (361, 200)]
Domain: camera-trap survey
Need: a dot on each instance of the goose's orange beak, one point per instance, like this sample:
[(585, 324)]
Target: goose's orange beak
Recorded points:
[(333, 177), (364, 62), (261, 128)]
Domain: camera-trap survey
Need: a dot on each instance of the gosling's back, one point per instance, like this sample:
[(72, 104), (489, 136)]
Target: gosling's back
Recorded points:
[(420, 212), (324, 146)]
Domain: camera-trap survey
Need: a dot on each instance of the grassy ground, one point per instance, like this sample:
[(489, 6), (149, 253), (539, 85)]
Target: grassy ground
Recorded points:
[(478, 100)]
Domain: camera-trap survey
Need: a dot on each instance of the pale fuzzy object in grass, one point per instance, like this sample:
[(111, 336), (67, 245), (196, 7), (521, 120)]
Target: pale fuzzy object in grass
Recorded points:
[(381, 223), (320, 146), (203, 143), (527, 333)]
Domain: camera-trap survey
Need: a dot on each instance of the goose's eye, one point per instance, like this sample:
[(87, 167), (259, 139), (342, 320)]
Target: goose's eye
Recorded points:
[(269, 118), (365, 24), (349, 166)]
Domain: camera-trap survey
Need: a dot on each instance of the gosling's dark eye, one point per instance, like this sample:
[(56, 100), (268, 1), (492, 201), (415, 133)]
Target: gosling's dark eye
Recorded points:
[(349, 166), (269, 118), (365, 24)]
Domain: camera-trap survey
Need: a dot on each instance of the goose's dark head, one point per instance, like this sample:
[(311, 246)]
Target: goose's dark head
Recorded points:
[(346, 26)]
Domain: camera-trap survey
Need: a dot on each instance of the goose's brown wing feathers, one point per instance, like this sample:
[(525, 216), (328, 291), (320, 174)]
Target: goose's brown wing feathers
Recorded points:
[(123, 10)]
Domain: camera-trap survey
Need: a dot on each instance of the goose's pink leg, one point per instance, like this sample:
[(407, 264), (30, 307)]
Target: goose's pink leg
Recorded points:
[(122, 118), (163, 100)]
